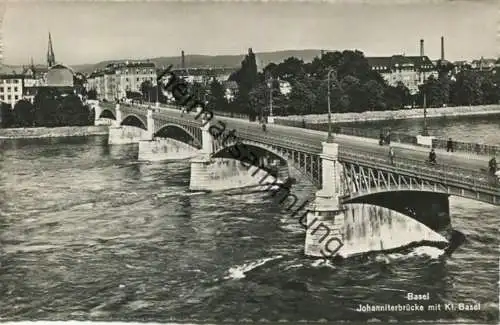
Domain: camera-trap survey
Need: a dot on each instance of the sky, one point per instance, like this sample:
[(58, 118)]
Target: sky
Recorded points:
[(89, 32)]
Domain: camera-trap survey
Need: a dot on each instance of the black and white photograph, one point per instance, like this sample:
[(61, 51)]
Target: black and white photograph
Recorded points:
[(226, 162)]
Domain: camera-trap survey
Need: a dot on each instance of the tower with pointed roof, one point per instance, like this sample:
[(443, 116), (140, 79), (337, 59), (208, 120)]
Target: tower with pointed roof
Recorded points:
[(51, 58)]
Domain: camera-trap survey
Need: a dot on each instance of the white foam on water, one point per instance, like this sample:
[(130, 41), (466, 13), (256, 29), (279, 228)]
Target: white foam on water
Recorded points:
[(165, 195), (432, 252), (238, 272), (322, 263), (421, 251), (193, 193)]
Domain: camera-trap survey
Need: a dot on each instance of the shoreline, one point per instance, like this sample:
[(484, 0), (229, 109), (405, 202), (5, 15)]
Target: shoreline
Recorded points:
[(52, 132), (405, 114)]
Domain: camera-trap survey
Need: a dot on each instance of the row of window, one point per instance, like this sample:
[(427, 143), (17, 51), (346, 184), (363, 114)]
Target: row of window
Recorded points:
[(9, 97), (6, 81), (127, 79), (16, 89), (135, 71)]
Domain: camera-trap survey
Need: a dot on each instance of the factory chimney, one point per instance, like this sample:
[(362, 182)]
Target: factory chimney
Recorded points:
[(422, 47), (442, 48), (183, 62)]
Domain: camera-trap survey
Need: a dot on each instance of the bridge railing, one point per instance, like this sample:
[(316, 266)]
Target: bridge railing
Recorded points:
[(467, 147), (415, 168), (374, 134), (405, 166), (230, 114)]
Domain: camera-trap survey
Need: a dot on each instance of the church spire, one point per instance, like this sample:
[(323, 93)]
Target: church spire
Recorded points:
[(51, 59)]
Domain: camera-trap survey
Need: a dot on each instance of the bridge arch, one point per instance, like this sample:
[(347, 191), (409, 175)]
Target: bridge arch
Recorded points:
[(426, 206), (247, 152), (171, 130), (134, 120), (107, 113)]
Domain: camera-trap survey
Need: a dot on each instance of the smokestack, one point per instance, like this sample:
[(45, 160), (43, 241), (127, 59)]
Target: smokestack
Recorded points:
[(183, 63), (442, 48), (422, 47)]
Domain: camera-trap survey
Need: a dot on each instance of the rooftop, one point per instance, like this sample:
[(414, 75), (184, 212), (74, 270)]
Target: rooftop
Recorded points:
[(388, 63)]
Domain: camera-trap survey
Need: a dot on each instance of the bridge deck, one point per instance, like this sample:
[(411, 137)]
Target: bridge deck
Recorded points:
[(453, 168)]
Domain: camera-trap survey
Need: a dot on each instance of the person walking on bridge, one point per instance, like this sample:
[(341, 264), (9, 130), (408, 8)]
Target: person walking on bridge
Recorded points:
[(449, 145), (493, 165), (432, 156), (381, 138), (391, 155)]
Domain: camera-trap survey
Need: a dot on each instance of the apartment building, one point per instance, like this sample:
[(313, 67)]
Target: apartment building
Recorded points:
[(117, 79), (412, 71), (11, 88)]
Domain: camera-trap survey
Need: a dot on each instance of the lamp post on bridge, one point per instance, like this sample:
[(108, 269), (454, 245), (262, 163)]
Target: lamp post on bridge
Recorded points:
[(425, 131), (329, 139), (157, 93), (271, 88)]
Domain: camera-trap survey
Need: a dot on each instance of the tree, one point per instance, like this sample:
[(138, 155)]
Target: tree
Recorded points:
[(197, 90), (6, 116), (374, 95), (246, 76), (216, 97), (92, 94), (289, 69), (433, 90), (354, 91), (46, 107), (467, 89), (146, 87), (258, 100), (55, 109), (490, 90), (302, 98), (397, 97), (24, 114)]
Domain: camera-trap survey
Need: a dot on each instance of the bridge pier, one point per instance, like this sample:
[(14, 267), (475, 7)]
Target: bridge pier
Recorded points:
[(118, 116), (325, 217), (97, 112), (160, 149), (219, 174), (125, 134)]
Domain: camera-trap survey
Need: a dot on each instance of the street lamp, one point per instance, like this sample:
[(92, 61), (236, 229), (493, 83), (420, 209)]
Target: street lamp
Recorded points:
[(425, 131), (270, 84), (329, 139), (157, 92)]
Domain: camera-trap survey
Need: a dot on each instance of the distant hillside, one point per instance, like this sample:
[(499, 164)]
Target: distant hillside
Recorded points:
[(202, 61)]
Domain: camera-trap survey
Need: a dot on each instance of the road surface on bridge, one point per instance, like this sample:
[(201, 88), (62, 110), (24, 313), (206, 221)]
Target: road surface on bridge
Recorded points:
[(473, 163)]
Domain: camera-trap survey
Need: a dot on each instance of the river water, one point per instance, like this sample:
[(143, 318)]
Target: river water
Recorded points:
[(475, 129), (89, 233)]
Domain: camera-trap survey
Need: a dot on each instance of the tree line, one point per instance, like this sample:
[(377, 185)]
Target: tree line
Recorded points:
[(50, 108), (354, 87)]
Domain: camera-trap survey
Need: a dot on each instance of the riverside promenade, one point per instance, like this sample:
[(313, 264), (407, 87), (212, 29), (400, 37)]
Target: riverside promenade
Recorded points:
[(415, 113)]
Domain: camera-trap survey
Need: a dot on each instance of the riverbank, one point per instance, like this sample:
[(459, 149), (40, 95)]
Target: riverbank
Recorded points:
[(56, 132), (417, 113)]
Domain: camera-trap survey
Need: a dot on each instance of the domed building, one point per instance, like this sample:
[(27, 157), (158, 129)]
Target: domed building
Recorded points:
[(59, 76)]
